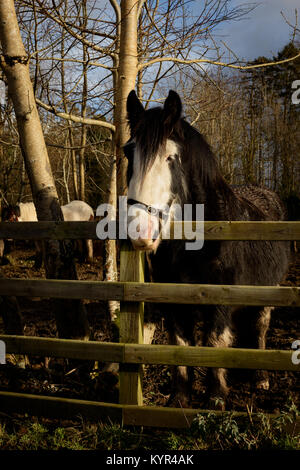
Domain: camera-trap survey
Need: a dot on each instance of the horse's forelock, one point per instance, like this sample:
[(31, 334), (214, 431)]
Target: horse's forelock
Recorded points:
[(151, 136)]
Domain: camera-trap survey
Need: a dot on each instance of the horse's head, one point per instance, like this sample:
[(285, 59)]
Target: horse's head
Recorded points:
[(154, 168), (10, 213)]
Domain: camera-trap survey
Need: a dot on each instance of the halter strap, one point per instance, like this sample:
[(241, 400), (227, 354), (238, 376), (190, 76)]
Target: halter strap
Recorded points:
[(150, 209)]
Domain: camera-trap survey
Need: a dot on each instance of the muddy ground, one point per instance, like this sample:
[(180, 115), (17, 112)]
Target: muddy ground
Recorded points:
[(83, 382)]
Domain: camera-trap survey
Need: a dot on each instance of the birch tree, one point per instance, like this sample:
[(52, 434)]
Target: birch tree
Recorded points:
[(70, 315)]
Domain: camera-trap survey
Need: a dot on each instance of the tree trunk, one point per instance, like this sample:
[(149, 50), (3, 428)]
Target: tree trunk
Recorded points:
[(65, 105), (83, 107), (73, 162), (59, 261), (111, 267), (124, 76), (126, 82), (111, 270)]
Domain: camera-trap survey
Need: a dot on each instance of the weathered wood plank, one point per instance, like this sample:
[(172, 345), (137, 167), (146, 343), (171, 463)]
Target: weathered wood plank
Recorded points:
[(156, 416), (55, 407), (243, 230), (63, 289), (210, 357), (48, 230), (131, 325), (64, 348), (132, 354), (204, 294), (209, 294), (213, 230)]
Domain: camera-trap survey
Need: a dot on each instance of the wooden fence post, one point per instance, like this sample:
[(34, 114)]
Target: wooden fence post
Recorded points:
[(131, 325)]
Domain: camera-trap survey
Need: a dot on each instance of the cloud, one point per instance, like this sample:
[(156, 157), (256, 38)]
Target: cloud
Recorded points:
[(264, 30)]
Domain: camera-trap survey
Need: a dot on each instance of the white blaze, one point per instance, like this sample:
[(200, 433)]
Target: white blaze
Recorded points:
[(153, 189)]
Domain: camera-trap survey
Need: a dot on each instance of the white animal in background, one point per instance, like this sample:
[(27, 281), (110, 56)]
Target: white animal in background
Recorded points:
[(73, 212)]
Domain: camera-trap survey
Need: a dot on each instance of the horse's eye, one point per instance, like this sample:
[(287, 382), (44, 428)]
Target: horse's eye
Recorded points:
[(170, 158)]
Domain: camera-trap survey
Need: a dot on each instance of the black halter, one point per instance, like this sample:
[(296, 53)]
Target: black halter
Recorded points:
[(163, 215)]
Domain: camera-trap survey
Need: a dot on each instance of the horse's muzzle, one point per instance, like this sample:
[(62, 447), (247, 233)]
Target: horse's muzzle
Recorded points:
[(145, 244)]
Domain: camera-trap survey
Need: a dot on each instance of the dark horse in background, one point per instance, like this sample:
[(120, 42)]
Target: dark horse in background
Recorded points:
[(169, 161)]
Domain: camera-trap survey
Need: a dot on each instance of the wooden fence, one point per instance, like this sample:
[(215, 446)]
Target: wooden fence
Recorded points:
[(130, 352)]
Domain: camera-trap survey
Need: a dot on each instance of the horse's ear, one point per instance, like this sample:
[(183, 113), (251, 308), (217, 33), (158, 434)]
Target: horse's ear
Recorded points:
[(172, 109), (135, 110)]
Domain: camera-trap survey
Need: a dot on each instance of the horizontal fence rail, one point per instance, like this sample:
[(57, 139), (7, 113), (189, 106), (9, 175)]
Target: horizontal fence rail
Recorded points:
[(204, 294), (133, 415), (220, 230), (195, 356)]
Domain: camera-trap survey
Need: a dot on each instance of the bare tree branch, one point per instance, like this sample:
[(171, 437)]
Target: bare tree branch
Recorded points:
[(72, 117), (213, 62)]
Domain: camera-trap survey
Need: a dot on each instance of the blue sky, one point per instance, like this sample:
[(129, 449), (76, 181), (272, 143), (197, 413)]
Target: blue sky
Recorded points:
[(264, 30)]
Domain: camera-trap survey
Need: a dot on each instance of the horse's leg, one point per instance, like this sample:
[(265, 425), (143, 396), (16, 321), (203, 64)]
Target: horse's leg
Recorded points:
[(253, 324), (38, 254), (89, 246), (89, 250), (262, 325), (180, 334), (219, 335), (79, 250), (149, 330), (152, 315)]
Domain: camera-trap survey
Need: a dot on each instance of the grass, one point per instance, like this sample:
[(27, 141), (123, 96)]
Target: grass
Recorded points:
[(253, 433), (209, 432)]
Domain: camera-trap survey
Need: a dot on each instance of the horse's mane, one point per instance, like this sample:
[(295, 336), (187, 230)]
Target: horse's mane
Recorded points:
[(199, 167)]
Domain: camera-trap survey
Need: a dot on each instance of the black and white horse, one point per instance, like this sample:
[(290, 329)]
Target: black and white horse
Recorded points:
[(74, 211), (170, 162)]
